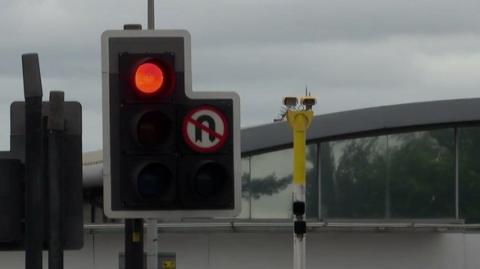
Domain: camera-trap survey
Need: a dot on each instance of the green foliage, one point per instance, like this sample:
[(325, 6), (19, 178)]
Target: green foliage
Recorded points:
[(356, 187), (408, 175), (422, 175)]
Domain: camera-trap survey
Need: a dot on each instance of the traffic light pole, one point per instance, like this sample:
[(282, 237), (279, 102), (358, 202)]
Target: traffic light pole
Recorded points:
[(152, 231), (151, 15), (299, 121), (55, 127), (134, 244), (34, 200)]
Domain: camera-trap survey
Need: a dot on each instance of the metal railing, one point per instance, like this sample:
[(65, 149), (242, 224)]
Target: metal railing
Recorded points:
[(286, 226)]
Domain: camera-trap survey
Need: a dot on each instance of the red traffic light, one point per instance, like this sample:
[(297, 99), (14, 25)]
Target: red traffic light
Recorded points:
[(149, 78)]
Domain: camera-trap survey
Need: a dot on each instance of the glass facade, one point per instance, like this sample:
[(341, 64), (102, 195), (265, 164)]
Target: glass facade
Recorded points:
[(469, 173), (245, 213), (267, 187), (419, 175), (353, 177), (398, 176), (271, 185)]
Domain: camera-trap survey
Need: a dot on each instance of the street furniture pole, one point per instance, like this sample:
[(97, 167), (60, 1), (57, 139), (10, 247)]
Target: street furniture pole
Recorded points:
[(55, 128), (299, 120), (34, 162)]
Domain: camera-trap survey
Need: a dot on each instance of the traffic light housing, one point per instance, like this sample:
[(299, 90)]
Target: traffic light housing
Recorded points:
[(168, 152)]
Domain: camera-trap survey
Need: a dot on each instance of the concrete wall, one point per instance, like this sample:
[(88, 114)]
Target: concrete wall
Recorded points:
[(274, 250)]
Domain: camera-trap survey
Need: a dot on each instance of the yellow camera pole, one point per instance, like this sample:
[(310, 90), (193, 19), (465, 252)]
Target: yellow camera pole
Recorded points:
[(299, 120)]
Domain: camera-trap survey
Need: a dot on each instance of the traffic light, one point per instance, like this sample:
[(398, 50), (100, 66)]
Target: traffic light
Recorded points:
[(167, 150)]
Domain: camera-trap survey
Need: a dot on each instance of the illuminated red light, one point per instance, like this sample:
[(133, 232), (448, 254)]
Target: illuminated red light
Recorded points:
[(149, 78)]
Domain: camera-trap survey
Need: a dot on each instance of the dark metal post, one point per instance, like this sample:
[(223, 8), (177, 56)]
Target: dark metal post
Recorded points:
[(55, 127), (134, 244), (34, 204), (151, 15)]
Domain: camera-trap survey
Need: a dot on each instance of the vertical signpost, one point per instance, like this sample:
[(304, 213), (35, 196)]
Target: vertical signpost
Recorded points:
[(299, 120), (42, 134), (55, 129), (34, 176)]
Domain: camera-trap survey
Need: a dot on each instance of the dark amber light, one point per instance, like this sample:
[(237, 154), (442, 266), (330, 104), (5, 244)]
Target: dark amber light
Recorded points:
[(149, 78)]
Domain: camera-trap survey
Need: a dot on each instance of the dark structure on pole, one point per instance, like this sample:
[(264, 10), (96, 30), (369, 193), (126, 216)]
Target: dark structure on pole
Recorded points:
[(34, 175), (12, 202), (55, 128)]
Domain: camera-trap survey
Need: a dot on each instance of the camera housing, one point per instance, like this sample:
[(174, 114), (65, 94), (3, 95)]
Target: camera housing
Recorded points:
[(308, 101), (290, 101)]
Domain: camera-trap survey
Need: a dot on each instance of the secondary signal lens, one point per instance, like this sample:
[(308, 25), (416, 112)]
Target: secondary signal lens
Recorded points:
[(210, 179), (149, 78), (153, 129), (154, 181)]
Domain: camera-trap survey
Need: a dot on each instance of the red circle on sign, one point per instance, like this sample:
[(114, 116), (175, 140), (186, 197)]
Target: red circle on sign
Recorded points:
[(188, 120)]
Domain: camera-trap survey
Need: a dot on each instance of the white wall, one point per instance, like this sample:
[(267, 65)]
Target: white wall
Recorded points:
[(274, 250)]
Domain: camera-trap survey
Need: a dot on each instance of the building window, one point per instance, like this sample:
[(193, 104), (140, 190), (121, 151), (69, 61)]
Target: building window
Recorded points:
[(398, 176), (353, 176), (421, 174), (469, 173), (245, 213), (270, 187)]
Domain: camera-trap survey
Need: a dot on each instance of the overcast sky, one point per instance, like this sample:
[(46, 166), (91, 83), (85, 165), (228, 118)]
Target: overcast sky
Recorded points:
[(351, 54)]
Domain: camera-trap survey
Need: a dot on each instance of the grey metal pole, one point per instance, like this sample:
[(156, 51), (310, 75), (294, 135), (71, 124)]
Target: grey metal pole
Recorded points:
[(55, 127), (151, 15), (151, 244), (34, 204)]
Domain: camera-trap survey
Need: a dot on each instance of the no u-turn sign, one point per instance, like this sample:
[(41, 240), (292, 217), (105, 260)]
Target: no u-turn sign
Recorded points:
[(205, 129)]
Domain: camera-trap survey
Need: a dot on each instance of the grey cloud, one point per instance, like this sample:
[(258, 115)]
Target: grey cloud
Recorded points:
[(351, 54), (233, 22), (360, 65), (308, 21)]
